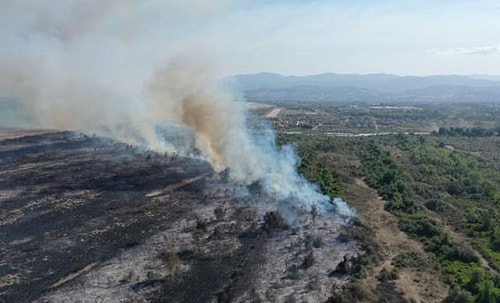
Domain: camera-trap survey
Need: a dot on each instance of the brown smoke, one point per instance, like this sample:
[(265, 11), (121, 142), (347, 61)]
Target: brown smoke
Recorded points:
[(188, 92), (80, 66)]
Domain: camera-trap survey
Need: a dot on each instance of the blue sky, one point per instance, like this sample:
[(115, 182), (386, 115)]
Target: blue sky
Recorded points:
[(242, 36), (405, 37)]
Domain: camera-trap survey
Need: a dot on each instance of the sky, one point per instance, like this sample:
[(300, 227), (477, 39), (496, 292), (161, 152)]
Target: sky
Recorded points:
[(296, 37), (402, 37)]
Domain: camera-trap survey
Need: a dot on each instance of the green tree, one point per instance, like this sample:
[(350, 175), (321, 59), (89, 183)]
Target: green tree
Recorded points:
[(486, 292), (495, 238)]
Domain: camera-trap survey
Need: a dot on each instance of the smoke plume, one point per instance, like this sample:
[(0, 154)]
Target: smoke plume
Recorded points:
[(115, 70)]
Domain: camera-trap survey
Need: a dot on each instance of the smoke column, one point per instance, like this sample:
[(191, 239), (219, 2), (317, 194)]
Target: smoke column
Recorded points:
[(114, 69)]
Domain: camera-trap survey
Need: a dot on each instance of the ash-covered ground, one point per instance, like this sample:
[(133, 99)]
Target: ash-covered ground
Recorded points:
[(88, 219)]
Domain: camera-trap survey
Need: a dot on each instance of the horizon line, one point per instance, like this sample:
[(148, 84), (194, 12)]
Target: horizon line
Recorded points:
[(366, 74)]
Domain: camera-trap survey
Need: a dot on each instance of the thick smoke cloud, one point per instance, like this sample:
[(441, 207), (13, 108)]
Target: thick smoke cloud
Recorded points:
[(84, 64), (114, 68)]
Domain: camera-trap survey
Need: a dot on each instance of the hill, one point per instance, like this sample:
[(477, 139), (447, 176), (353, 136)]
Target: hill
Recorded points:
[(367, 88)]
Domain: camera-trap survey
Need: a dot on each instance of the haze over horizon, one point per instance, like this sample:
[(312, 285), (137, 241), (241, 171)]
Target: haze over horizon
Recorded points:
[(287, 37), (494, 77)]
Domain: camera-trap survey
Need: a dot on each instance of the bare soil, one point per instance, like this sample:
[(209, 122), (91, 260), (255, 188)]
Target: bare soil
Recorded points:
[(414, 283)]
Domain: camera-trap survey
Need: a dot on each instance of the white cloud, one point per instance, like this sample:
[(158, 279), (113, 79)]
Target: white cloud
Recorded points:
[(481, 50)]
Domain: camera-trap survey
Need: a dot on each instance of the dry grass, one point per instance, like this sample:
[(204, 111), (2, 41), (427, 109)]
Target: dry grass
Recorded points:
[(415, 283)]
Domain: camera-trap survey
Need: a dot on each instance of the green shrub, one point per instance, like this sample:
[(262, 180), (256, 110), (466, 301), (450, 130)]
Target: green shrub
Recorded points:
[(438, 206), (420, 226), (385, 275), (457, 295)]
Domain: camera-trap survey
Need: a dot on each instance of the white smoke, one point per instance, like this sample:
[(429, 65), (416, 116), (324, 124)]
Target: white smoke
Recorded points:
[(187, 94), (113, 68)]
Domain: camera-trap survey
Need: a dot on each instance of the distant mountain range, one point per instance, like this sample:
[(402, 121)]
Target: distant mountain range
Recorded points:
[(368, 88)]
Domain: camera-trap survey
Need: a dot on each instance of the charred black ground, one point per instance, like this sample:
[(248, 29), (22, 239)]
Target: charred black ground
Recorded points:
[(88, 218), (58, 188)]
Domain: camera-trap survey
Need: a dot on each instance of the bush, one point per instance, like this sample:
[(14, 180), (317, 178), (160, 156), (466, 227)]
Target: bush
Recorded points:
[(308, 260), (413, 259), (457, 295), (385, 275), (273, 220), (495, 239), (462, 253), (445, 248), (420, 226), (337, 298), (219, 212), (360, 290), (171, 259), (201, 224), (438, 206)]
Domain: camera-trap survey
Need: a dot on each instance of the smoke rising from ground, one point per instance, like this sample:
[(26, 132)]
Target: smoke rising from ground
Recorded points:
[(114, 69)]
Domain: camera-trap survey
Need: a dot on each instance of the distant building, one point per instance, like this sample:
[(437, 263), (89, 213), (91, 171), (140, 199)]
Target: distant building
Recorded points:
[(303, 123)]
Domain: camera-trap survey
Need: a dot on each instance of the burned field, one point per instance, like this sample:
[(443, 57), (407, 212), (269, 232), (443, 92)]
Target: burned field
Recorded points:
[(88, 219)]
